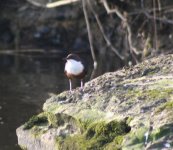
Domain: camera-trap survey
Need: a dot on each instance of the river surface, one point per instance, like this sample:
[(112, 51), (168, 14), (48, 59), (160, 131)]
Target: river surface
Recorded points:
[(25, 83)]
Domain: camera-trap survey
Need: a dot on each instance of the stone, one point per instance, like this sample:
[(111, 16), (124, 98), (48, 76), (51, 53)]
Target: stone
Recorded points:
[(127, 109)]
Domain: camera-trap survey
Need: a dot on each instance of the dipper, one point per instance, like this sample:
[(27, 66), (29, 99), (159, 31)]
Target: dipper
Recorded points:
[(74, 69)]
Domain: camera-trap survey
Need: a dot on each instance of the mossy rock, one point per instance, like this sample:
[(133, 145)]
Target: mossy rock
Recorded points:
[(36, 120), (100, 135), (87, 120), (168, 105)]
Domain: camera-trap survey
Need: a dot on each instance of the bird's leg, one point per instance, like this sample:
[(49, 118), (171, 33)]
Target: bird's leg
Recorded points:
[(70, 85), (81, 83)]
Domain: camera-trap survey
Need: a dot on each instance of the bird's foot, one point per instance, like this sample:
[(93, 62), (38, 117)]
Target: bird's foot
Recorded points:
[(81, 89), (71, 92)]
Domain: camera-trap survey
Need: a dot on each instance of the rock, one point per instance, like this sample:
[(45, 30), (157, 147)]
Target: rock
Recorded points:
[(127, 109)]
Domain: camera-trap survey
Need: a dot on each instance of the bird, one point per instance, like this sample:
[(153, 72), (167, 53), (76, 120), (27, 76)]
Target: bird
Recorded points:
[(75, 68)]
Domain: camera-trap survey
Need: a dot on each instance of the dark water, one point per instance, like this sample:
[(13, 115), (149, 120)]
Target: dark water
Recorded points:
[(25, 83)]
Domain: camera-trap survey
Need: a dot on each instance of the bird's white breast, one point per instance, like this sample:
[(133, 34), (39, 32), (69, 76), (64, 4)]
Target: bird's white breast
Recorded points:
[(74, 67)]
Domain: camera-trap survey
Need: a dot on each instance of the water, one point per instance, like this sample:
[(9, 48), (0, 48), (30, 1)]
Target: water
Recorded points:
[(25, 83)]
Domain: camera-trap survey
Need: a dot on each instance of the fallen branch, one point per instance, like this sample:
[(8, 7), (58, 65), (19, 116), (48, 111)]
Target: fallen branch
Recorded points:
[(119, 14)]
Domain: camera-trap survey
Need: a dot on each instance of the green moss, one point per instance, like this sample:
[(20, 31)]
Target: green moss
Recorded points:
[(163, 82), (76, 142), (137, 146), (115, 144), (96, 136), (52, 119), (53, 107), (135, 139), (139, 135), (149, 94), (45, 118), (157, 89), (129, 119), (23, 147), (39, 124), (107, 130), (37, 131), (35, 120), (84, 124), (90, 115), (150, 71), (165, 130), (167, 105), (64, 118)]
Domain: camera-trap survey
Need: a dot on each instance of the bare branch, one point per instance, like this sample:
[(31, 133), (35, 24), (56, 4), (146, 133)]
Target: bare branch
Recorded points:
[(159, 5), (164, 20), (115, 10), (166, 9), (130, 40), (89, 33), (60, 3), (155, 26), (119, 14), (37, 4), (103, 33)]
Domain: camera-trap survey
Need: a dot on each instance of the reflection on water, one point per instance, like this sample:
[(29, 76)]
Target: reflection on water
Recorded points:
[(25, 84)]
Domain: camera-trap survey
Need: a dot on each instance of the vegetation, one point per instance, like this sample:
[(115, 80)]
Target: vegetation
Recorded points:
[(100, 135), (35, 120), (168, 105)]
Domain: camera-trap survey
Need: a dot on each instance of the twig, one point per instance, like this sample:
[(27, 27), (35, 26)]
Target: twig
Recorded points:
[(159, 5), (159, 13), (119, 14), (130, 40), (142, 3), (60, 3), (165, 9), (35, 3), (164, 20), (115, 10), (155, 26), (109, 44), (89, 33)]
